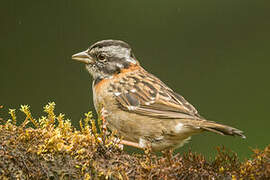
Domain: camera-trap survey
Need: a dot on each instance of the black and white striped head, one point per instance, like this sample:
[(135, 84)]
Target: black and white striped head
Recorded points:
[(107, 58)]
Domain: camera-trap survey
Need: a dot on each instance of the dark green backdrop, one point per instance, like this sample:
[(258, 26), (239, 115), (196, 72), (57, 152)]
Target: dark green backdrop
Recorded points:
[(214, 53)]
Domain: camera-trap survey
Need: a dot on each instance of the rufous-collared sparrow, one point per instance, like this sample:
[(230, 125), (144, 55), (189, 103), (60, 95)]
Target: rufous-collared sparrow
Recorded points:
[(143, 110)]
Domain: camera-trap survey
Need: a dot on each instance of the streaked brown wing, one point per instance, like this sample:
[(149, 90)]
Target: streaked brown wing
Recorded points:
[(145, 94)]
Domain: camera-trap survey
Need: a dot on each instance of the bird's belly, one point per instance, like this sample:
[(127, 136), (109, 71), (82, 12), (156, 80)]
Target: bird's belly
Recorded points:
[(158, 133)]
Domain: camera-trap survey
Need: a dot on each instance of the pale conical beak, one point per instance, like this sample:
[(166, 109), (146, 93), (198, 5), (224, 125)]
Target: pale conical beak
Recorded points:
[(82, 57)]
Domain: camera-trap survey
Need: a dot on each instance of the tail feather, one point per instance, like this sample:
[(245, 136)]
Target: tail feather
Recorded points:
[(221, 129)]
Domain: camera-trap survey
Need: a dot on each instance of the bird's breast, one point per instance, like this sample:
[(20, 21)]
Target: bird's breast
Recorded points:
[(102, 97)]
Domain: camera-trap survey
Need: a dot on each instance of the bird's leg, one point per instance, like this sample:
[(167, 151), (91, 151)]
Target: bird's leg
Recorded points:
[(129, 143), (103, 114), (104, 124)]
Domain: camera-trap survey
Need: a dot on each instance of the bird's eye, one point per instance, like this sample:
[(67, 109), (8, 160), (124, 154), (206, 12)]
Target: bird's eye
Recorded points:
[(101, 57)]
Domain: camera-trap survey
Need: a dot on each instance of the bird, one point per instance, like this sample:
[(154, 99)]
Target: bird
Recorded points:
[(136, 104)]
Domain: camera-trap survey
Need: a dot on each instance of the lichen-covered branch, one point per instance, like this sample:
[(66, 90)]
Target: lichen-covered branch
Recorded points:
[(54, 149)]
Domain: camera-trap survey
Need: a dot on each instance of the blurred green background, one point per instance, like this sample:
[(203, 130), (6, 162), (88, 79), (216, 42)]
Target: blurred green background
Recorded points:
[(215, 53)]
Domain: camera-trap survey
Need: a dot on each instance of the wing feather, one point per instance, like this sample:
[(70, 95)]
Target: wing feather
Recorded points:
[(151, 97)]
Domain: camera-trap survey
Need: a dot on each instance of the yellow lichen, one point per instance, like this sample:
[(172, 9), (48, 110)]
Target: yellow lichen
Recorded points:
[(13, 116), (26, 111)]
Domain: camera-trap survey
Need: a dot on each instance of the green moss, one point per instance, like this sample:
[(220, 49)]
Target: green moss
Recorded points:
[(54, 149)]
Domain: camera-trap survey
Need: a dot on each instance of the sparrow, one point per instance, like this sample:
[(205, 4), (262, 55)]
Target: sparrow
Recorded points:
[(143, 110)]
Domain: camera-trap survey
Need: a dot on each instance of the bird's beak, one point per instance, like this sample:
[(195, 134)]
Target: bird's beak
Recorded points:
[(82, 57)]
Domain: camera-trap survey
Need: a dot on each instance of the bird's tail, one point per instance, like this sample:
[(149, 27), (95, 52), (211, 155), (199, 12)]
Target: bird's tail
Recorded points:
[(221, 129), (215, 127)]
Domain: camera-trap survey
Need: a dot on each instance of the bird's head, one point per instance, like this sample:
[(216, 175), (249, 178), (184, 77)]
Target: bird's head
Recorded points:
[(107, 58)]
